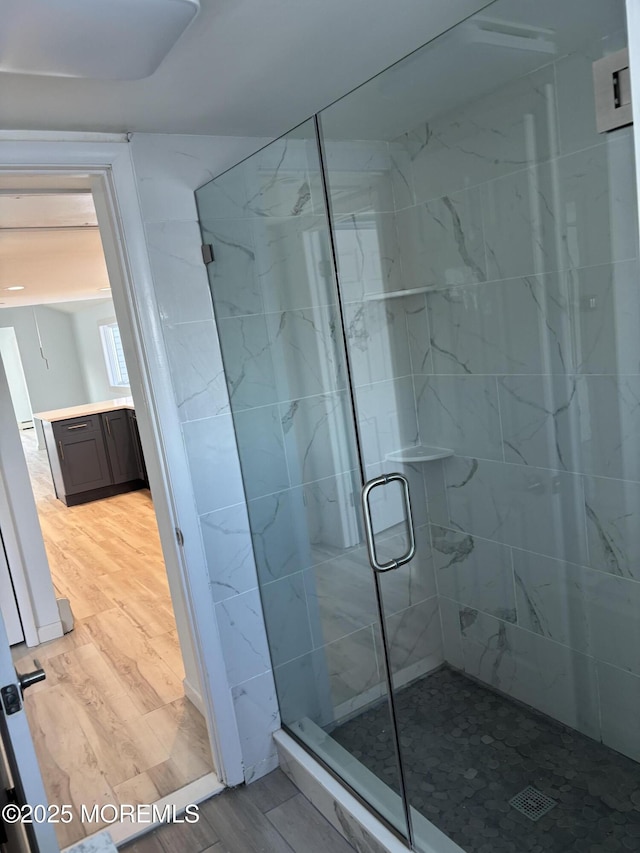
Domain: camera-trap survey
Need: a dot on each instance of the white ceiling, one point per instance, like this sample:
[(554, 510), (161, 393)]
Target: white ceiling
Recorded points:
[(50, 245), (244, 67)]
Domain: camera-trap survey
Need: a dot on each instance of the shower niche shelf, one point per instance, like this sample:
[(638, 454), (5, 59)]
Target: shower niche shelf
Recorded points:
[(419, 453)]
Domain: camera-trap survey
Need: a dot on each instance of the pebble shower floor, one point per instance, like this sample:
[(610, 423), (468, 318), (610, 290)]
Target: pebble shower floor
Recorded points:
[(468, 751)]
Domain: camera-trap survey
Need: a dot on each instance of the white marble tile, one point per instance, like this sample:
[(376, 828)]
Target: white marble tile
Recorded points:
[(415, 635), (530, 508), (227, 545), (243, 637), (213, 462), (169, 167), (361, 174), (461, 413), (341, 596), (517, 326), (248, 360), (257, 715), (542, 420), (592, 612), (352, 664), (318, 437), (475, 572), (279, 530), (441, 241), (605, 307), (619, 703), (418, 334), (494, 135), (179, 276), (261, 451), (196, 369), (293, 262), (304, 689), (413, 582), (600, 213), (306, 353), (233, 275), (613, 525), (332, 514), (520, 224), (553, 599), (387, 418), (368, 255), (436, 491), (451, 632), (284, 603), (546, 675), (378, 341)]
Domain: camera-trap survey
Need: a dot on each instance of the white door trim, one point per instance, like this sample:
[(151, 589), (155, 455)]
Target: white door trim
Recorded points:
[(107, 161)]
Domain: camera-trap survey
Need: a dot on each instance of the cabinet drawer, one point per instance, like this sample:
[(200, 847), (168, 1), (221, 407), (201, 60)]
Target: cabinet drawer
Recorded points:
[(74, 426)]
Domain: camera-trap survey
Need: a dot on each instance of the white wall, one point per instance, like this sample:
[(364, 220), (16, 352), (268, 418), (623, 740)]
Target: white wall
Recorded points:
[(62, 382), (86, 323), (15, 374), (168, 170)]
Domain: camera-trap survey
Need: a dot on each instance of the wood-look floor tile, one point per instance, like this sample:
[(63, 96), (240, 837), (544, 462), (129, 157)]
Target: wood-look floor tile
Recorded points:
[(271, 791), (138, 791), (121, 662), (305, 829), (241, 826)]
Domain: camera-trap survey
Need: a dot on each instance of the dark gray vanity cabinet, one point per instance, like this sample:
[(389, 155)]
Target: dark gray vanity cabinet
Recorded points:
[(94, 457), (120, 446), (137, 446)]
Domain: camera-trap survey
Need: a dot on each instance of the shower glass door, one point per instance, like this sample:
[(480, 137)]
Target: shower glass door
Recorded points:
[(280, 330)]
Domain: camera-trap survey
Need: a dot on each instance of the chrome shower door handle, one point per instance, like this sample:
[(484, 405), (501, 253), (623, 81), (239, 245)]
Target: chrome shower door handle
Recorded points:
[(376, 565)]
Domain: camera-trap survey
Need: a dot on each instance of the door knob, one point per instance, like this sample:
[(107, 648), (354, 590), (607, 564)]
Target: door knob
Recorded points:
[(28, 678)]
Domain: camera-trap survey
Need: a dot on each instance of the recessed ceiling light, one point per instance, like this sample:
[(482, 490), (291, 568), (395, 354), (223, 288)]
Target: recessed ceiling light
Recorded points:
[(15, 287)]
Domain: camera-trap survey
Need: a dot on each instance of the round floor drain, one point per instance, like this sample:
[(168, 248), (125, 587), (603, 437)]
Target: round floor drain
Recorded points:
[(532, 803)]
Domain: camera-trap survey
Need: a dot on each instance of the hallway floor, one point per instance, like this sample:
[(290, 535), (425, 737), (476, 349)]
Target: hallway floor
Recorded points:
[(111, 723), (268, 816), (469, 750)]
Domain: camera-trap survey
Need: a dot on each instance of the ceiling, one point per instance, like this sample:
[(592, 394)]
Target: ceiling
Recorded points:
[(50, 245), (244, 67)]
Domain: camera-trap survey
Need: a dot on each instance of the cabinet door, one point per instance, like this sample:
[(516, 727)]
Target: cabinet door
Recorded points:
[(137, 446), (83, 460), (120, 446)]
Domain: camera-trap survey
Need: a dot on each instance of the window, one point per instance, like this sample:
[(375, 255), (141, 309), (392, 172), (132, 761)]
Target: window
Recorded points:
[(114, 355)]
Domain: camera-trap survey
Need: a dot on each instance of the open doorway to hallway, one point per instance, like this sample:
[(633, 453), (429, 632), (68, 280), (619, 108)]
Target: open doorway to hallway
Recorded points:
[(114, 722)]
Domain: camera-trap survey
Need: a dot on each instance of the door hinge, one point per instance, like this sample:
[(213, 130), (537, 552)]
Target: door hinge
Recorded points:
[(179, 537), (11, 699), (207, 253)]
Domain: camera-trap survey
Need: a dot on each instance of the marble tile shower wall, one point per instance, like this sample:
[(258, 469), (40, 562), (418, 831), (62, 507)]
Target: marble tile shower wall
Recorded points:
[(168, 170), (523, 228)]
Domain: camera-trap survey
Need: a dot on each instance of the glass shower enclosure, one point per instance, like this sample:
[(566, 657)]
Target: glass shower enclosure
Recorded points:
[(427, 299)]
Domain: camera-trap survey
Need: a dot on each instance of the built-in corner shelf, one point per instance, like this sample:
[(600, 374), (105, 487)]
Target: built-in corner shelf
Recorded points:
[(397, 294), (419, 453)]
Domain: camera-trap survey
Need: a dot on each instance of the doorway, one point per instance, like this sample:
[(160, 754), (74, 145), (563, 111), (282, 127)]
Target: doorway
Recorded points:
[(118, 675)]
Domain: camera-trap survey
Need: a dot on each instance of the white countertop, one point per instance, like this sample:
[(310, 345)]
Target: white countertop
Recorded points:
[(88, 409)]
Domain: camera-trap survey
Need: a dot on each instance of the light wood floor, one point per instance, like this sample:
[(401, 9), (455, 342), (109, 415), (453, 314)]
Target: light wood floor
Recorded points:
[(110, 723)]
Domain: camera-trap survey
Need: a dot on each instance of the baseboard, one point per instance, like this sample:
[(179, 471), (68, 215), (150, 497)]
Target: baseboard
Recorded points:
[(194, 696), (53, 631)]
